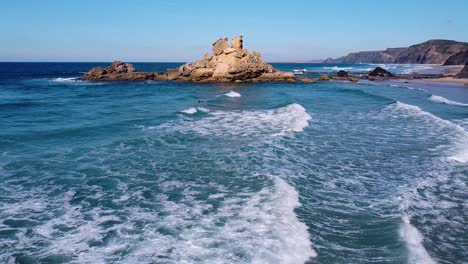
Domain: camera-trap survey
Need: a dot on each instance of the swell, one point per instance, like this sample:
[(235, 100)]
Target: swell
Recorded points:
[(368, 95)]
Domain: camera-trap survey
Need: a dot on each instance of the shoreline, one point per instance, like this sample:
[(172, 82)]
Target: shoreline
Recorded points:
[(450, 80)]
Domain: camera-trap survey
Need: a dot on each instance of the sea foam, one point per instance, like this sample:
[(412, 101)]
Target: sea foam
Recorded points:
[(459, 136), (232, 94), (194, 110), (413, 240), (279, 121), (71, 79), (443, 100)]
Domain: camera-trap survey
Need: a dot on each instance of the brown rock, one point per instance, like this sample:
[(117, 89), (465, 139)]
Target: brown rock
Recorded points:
[(207, 57), (219, 46), (306, 80), (237, 43), (228, 64), (229, 50), (324, 78)]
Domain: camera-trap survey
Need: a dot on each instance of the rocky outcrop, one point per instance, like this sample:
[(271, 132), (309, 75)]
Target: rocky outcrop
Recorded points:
[(116, 71), (429, 52), (458, 59), (379, 72), (463, 73), (227, 64)]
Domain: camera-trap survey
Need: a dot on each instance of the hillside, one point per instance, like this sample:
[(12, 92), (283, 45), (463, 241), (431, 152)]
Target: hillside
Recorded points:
[(446, 52)]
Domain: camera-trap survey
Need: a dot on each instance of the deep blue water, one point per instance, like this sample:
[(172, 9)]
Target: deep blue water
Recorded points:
[(165, 172)]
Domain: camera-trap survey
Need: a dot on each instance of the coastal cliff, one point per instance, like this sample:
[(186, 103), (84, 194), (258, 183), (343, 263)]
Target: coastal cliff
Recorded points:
[(228, 63), (444, 52)]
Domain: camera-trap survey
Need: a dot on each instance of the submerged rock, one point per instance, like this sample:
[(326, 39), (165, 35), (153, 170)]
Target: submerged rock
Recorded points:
[(227, 64), (380, 72)]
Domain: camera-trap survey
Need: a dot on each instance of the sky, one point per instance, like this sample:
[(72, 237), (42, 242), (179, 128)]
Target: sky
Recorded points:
[(183, 30)]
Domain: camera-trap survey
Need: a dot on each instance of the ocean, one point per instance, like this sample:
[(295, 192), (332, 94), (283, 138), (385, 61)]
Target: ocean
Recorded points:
[(166, 172)]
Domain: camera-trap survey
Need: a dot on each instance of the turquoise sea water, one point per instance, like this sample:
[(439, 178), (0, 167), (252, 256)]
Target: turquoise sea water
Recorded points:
[(164, 172)]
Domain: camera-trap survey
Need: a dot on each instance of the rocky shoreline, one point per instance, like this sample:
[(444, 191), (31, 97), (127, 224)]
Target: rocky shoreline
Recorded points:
[(228, 63)]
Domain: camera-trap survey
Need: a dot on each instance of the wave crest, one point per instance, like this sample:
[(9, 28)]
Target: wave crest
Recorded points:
[(280, 121), (443, 100)]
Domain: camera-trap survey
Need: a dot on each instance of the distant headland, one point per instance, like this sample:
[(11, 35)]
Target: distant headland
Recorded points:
[(437, 51), (228, 63)]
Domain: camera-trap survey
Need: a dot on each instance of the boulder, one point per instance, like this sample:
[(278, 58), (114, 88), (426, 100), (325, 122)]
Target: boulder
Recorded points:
[(463, 73), (324, 77), (380, 72), (342, 74), (116, 71), (237, 43), (219, 46), (120, 67), (207, 57)]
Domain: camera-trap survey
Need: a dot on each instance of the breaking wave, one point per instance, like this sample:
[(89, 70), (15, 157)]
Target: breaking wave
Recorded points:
[(458, 135), (71, 79), (193, 110), (443, 100), (291, 118), (232, 94), (248, 227)]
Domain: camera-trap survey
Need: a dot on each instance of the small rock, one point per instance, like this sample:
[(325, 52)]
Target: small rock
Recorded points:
[(324, 77), (379, 72), (207, 57), (342, 74)]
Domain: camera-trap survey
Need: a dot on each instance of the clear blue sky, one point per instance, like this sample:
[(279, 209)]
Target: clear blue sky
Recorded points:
[(177, 30)]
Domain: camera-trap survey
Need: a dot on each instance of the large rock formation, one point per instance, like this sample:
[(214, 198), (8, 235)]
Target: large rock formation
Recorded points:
[(447, 52), (463, 73), (227, 64)]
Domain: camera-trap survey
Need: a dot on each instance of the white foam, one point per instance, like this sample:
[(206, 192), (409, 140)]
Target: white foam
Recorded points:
[(413, 240), (440, 99), (459, 134), (71, 79), (259, 227), (190, 111), (232, 94), (291, 118), (336, 68), (194, 110)]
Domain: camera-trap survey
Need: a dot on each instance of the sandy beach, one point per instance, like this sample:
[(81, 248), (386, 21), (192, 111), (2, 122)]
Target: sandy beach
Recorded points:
[(443, 80)]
